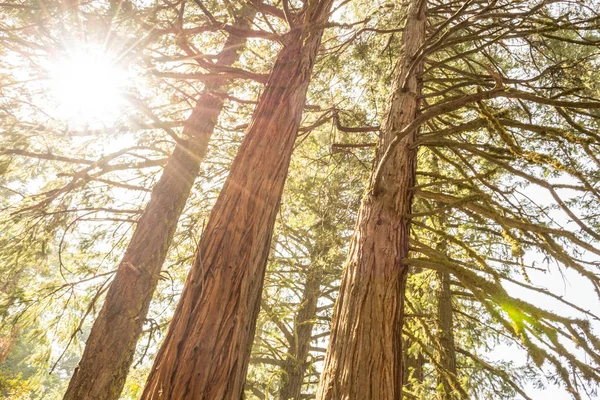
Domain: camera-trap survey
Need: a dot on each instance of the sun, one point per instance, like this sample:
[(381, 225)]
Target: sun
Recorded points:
[(86, 86)]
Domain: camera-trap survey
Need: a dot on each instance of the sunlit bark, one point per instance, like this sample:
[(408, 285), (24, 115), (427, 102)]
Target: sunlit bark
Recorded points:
[(109, 349), (364, 358), (206, 351)]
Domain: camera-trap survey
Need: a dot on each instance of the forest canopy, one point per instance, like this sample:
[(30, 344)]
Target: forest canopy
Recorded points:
[(299, 199)]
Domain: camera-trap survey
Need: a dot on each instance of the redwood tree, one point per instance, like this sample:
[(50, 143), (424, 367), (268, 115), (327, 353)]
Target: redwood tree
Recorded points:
[(110, 347), (364, 359), (206, 350)]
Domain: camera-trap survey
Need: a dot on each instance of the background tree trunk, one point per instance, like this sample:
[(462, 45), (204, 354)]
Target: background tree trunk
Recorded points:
[(296, 362), (364, 358), (109, 349), (414, 364), (206, 351), (446, 351)]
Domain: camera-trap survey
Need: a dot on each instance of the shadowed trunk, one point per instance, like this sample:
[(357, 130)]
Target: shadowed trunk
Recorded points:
[(446, 351), (415, 364), (109, 349), (206, 351), (364, 358), (296, 362)]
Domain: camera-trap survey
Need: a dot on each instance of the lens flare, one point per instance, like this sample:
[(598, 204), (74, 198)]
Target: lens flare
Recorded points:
[(86, 86)]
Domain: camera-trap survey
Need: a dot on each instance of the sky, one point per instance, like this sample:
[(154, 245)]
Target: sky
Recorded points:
[(564, 282)]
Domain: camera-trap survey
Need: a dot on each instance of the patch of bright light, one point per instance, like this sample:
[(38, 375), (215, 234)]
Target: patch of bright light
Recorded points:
[(86, 86)]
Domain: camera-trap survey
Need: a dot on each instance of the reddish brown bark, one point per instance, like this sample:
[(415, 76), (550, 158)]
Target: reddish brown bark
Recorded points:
[(206, 351), (109, 349), (7, 342), (364, 358)]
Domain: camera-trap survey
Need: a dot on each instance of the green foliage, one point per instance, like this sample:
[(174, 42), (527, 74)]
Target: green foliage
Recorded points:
[(514, 177)]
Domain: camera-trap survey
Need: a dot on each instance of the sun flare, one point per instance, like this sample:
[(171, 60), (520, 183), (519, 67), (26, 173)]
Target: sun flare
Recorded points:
[(87, 86)]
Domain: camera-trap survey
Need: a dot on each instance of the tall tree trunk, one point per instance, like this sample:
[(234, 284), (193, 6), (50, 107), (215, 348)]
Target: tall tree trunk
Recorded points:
[(109, 350), (446, 350), (364, 358), (206, 351), (296, 362), (414, 364)]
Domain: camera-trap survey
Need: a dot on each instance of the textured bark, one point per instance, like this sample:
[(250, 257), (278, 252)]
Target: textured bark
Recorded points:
[(296, 362), (206, 351), (364, 358), (446, 351), (109, 350)]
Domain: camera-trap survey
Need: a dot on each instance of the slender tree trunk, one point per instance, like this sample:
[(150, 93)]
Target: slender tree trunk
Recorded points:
[(109, 350), (296, 362), (364, 358), (414, 364), (206, 351), (446, 351)]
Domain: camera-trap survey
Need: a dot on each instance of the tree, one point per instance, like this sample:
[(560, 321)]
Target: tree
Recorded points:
[(101, 372), (366, 306), (89, 187), (364, 358), (504, 196), (206, 351)]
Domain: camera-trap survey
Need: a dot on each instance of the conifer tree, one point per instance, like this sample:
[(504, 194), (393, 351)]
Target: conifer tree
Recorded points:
[(491, 201), (101, 372), (206, 351), (352, 362)]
